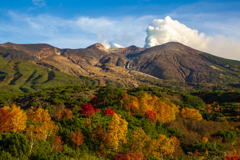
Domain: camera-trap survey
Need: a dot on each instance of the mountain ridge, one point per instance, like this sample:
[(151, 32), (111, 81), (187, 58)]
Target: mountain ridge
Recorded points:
[(171, 61)]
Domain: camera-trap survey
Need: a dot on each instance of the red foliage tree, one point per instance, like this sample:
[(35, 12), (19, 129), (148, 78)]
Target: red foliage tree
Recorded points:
[(57, 144), (87, 109), (97, 110), (195, 153), (120, 157), (209, 111), (232, 158), (109, 111), (5, 120), (150, 116)]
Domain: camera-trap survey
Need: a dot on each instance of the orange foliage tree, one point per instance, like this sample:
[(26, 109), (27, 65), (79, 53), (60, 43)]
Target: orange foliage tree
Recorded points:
[(57, 144), (18, 118), (5, 120), (77, 138), (191, 113), (65, 114)]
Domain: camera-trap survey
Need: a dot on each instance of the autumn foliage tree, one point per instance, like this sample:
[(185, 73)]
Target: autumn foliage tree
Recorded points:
[(57, 144), (77, 138), (162, 146), (117, 131), (65, 114), (139, 141), (87, 109), (45, 126), (5, 120), (109, 111), (150, 115), (191, 113), (33, 134), (128, 156), (151, 106), (18, 118)]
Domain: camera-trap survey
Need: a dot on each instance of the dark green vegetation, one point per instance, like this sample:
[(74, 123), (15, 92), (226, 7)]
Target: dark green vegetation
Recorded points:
[(220, 127), (24, 76)]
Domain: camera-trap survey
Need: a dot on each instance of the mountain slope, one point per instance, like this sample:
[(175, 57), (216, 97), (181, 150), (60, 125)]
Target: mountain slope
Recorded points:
[(132, 65), (180, 63), (24, 76)]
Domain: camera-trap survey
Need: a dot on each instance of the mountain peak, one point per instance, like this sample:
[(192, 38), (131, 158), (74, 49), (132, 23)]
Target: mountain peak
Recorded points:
[(98, 48), (96, 45)]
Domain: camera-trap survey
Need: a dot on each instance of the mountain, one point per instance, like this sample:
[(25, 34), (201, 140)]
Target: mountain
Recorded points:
[(172, 64), (181, 63)]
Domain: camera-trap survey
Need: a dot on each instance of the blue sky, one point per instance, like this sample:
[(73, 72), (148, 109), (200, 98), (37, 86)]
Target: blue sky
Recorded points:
[(78, 24)]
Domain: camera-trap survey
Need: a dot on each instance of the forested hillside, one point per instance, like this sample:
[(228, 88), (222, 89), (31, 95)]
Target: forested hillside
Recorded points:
[(88, 122)]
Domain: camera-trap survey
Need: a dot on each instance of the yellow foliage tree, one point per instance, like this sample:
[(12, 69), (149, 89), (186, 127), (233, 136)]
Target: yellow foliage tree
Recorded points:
[(204, 139), (163, 109), (18, 119), (46, 126), (33, 134), (139, 141), (40, 115), (162, 146), (191, 113), (117, 131)]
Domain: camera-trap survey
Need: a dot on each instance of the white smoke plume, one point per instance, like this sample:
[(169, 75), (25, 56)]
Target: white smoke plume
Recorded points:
[(165, 30), (107, 45), (115, 45)]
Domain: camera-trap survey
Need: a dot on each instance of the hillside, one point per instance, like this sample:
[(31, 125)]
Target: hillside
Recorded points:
[(172, 61), (171, 65), (24, 76), (180, 63), (78, 122)]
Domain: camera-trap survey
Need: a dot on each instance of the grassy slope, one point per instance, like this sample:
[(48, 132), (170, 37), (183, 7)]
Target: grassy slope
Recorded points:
[(24, 76), (230, 68)]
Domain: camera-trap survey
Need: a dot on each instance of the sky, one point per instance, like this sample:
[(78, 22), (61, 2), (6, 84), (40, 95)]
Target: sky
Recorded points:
[(212, 26)]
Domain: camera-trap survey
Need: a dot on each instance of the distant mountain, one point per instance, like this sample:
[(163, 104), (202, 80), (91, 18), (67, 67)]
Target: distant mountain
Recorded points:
[(125, 66)]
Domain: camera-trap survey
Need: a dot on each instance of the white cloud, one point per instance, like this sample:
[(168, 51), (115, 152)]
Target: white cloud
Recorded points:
[(227, 47), (46, 28), (215, 36), (39, 3), (165, 30), (107, 45)]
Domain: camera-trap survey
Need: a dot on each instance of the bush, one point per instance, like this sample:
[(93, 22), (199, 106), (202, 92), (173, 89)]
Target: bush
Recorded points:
[(228, 136)]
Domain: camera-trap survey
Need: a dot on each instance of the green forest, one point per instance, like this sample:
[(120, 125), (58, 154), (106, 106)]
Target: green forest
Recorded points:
[(94, 122)]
